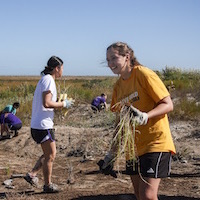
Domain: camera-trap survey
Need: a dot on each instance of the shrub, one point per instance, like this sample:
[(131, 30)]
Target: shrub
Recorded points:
[(84, 89)]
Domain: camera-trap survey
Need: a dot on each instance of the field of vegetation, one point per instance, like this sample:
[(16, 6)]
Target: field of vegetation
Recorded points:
[(82, 89), (184, 87)]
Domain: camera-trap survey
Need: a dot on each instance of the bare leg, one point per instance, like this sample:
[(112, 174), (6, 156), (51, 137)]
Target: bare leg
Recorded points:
[(135, 181), (37, 166), (49, 149), (31, 177), (146, 189)]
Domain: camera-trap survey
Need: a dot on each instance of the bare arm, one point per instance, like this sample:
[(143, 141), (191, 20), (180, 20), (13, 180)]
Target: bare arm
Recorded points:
[(106, 105), (4, 128), (163, 107), (48, 103)]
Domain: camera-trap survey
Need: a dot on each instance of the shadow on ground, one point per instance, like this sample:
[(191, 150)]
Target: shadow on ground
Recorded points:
[(131, 197), (186, 175)]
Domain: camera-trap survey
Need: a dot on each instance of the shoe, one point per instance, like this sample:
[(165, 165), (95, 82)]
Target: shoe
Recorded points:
[(10, 136), (33, 180), (51, 188)]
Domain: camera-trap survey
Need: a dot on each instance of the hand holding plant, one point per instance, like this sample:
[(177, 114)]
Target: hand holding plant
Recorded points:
[(141, 118), (67, 103)]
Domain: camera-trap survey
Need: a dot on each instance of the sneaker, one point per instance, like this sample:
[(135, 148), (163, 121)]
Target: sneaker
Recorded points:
[(51, 188), (33, 180), (10, 136)]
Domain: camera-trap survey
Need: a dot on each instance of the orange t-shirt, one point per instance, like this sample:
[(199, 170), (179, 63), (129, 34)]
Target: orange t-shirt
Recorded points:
[(144, 90)]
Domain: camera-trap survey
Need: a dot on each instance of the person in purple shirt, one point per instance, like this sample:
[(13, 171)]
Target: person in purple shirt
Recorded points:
[(9, 122), (99, 103)]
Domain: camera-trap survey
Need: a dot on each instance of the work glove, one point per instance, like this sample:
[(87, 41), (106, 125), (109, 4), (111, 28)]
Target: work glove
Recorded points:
[(67, 103), (106, 165), (141, 118)]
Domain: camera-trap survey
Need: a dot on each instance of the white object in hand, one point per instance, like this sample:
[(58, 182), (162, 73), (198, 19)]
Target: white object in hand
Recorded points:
[(67, 103), (141, 118)]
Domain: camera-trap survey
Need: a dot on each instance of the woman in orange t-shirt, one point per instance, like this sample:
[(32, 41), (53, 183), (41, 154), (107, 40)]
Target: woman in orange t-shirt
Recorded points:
[(150, 101)]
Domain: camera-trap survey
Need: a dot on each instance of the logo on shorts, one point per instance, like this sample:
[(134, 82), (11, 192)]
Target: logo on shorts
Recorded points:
[(150, 171)]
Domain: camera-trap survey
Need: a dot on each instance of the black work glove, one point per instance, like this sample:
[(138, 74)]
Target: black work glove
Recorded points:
[(106, 167)]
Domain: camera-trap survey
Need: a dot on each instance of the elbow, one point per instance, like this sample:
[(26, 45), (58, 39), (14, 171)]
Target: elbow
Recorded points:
[(46, 105), (170, 104), (171, 107)]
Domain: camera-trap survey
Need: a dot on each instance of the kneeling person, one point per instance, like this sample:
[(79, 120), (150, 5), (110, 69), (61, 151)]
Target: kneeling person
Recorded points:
[(99, 103), (10, 122)]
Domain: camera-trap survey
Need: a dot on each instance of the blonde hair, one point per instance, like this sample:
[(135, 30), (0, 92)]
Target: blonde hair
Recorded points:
[(123, 49)]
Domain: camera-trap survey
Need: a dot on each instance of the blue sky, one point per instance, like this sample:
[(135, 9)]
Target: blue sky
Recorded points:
[(161, 32)]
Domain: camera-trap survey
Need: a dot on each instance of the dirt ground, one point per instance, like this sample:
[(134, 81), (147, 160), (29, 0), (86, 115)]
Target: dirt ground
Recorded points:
[(76, 173)]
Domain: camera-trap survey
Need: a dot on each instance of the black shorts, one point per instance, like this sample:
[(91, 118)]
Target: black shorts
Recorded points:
[(94, 108), (99, 107), (152, 165), (15, 126), (39, 135)]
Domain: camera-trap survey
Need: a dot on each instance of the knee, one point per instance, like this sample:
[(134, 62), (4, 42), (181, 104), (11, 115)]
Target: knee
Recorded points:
[(147, 195), (51, 157)]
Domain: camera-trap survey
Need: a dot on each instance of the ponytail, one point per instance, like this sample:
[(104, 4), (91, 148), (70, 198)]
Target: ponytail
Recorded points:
[(52, 63)]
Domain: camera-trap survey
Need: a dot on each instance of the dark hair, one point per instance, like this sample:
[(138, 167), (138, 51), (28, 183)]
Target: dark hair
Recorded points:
[(123, 49), (53, 62), (16, 104), (103, 95)]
